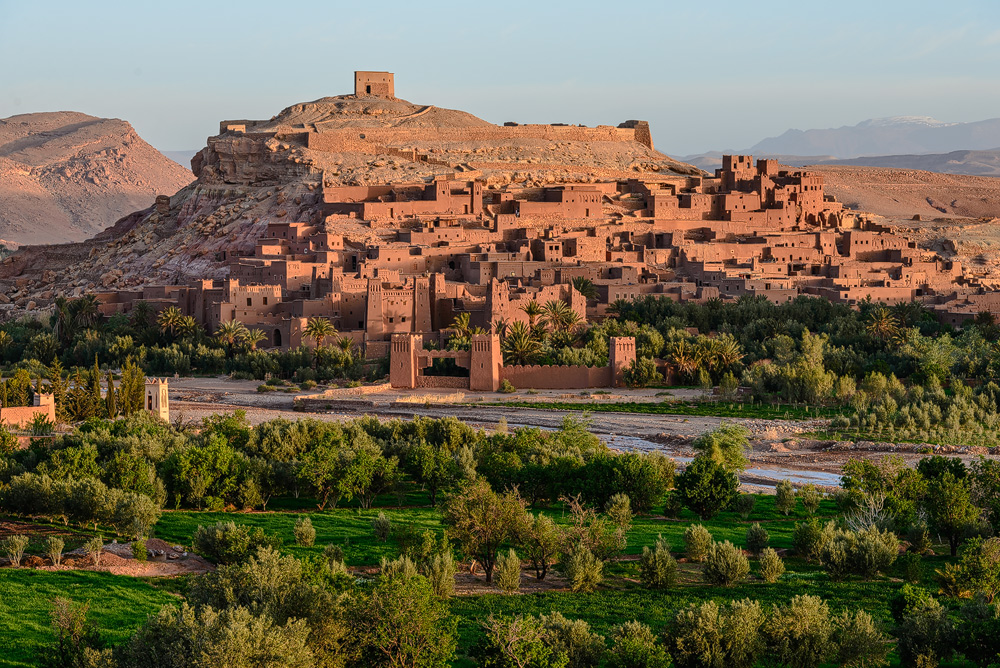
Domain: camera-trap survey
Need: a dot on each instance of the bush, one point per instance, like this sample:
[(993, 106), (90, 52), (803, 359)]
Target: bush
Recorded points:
[(771, 565), (582, 569), (725, 564), (859, 641), (657, 568), (400, 568), (78, 643), (305, 533), (757, 538), (918, 535), (697, 542), (706, 487), (811, 498), (139, 550), (53, 549), (866, 553), (333, 553), (911, 567), (508, 573), (634, 645), (708, 634), (381, 527), (13, 547), (189, 637), (907, 599), (923, 637), (231, 543), (784, 499), (516, 642), (641, 373), (440, 570), (744, 505), (582, 647), (506, 387), (800, 634), (93, 548), (807, 539), (673, 504)]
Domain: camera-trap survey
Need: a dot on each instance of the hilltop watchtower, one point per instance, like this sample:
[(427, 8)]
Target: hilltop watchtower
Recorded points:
[(374, 84)]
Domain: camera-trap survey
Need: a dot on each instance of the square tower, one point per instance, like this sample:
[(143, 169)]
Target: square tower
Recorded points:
[(374, 84), (157, 402)]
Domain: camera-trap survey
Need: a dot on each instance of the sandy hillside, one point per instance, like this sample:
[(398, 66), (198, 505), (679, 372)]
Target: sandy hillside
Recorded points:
[(903, 193), (65, 176)]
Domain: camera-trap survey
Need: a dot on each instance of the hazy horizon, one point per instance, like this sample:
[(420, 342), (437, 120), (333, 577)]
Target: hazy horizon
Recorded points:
[(706, 77)]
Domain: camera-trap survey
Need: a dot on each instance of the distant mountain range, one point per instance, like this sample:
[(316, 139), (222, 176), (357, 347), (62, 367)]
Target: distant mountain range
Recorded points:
[(901, 142)]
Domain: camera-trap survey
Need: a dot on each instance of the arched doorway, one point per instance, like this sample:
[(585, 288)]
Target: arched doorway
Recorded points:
[(277, 338)]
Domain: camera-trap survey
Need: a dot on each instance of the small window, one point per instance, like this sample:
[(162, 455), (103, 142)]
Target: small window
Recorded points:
[(249, 301)]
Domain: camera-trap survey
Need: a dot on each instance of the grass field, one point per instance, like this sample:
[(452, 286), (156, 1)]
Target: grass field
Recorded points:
[(120, 604)]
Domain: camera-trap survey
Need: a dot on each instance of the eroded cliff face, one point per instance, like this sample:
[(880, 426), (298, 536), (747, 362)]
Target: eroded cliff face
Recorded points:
[(253, 173), (65, 176)]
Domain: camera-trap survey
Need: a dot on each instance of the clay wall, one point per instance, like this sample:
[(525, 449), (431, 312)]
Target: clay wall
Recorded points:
[(556, 377)]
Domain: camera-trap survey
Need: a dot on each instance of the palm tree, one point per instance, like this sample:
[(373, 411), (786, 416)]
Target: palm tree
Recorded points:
[(252, 337), (5, 340), (685, 356), (230, 332), (519, 346), (618, 306), (882, 324), (532, 309), (461, 324), (500, 326), (727, 351), (559, 316), (187, 327), (319, 329), (141, 312), (585, 287), (169, 320), (62, 323), (86, 311)]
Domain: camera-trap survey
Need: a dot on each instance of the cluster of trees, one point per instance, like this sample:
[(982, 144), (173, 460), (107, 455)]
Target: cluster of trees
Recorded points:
[(169, 342), (226, 462)]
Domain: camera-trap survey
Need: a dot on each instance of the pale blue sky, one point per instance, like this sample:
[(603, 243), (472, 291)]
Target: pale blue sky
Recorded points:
[(707, 75)]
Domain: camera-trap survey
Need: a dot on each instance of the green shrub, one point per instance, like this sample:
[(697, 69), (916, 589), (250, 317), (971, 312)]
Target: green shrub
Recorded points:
[(807, 539), (918, 535), (744, 505), (400, 568), (859, 641), (725, 564), (811, 498), (756, 539), (440, 570), (771, 565), (139, 551), (582, 647), (231, 543), (516, 642), (381, 527), (305, 533), (506, 387), (784, 499), (697, 542), (911, 567), (706, 486), (13, 547), (800, 634), (93, 548), (924, 634), (307, 385), (672, 504), (657, 568), (582, 569), (333, 553), (53, 549), (709, 634), (866, 553), (507, 576), (634, 645)]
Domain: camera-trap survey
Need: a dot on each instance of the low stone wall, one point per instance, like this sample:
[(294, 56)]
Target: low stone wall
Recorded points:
[(556, 377), (449, 382)]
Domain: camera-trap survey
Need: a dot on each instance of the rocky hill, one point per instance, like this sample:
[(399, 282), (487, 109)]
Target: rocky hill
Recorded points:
[(254, 172), (65, 176)]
